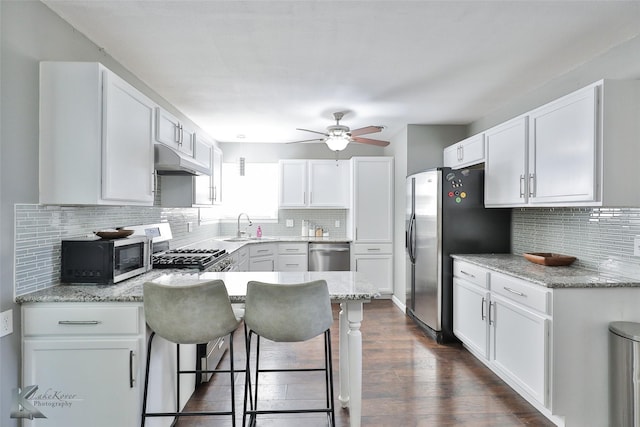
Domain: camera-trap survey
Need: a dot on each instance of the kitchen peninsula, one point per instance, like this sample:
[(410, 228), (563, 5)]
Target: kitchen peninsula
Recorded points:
[(90, 317), (544, 330)]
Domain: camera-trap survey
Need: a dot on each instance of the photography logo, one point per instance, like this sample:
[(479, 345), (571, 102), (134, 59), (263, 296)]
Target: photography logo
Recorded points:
[(26, 403)]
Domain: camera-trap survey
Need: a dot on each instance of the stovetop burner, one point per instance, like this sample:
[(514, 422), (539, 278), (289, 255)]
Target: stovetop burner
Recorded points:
[(188, 258)]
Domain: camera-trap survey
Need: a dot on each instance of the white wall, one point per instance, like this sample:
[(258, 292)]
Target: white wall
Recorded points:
[(620, 62)]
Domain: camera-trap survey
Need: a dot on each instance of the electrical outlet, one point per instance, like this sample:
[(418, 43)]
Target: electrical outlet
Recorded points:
[(6, 323), (289, 223), (337, 223), (189, 227)]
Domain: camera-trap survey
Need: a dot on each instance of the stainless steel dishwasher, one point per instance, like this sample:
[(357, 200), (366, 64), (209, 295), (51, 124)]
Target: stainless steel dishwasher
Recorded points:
[(329, 257)]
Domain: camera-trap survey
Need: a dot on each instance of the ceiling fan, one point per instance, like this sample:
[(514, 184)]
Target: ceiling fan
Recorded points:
[(338, 136)]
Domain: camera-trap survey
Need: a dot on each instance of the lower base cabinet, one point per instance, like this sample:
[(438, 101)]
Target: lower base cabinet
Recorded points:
[(262, 257), (376, 262), (549, 344)]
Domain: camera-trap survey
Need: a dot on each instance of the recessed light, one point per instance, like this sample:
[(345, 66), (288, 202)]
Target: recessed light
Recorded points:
[(241, 136)]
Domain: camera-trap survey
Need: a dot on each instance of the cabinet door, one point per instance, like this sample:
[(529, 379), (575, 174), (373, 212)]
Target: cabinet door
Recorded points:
[(373, 199), (470, 325), (378, 269), (84, 382), (519, 346), (216, 176), (127, 144), (562, 153), (262, 264), (169, 131), (505, 177), (293, 183), (467, 152), (328, 183), (203, 191), (451, 156)]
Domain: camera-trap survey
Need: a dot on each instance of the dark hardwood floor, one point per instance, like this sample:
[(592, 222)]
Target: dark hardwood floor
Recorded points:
[(408, 380)]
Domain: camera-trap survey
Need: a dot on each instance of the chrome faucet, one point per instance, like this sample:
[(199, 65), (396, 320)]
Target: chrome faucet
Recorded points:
[(239, 233)]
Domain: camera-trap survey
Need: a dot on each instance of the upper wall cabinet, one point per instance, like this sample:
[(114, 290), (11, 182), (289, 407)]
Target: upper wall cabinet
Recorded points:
[(170, 131), (467, 152), (575, 151), (314, 184), (96, 137), (201, 190)]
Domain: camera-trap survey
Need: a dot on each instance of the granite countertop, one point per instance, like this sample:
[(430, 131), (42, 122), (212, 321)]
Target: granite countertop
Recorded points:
[(550, 277), (343, 285), (232, 246)]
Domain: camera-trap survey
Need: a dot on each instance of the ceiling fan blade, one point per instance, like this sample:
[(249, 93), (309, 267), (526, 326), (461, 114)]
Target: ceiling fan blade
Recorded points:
[(306, 140), (307, 130), (370, 141), (366, 130)]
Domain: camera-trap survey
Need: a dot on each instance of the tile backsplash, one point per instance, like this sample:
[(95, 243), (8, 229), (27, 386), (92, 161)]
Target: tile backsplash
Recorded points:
[(39, 230), (601, 238)]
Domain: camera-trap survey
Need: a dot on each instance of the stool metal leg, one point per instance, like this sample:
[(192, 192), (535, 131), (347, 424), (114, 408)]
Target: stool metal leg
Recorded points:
[(146, 379)]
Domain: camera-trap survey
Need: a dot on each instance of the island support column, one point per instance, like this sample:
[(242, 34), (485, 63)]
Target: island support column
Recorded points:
[(351, 360)]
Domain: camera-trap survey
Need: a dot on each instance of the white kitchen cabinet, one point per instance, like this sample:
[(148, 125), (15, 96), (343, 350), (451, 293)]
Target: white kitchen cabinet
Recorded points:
[(241, 258), (578, 150), (195, 191), (372, 199), (314, 184), (293, 257), (470, 324), (505, 182), (506, 326), (172, 132), (467, 152), (378, 269), (96, 137), (86, 361), (262, 256)]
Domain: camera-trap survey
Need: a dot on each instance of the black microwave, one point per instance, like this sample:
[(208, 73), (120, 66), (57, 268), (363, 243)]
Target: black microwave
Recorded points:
[(103, 261)]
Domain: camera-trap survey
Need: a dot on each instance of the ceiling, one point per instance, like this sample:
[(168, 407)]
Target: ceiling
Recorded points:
[(263, 68)]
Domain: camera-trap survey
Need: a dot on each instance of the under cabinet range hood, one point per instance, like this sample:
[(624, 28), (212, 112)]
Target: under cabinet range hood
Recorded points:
[(171, 162)]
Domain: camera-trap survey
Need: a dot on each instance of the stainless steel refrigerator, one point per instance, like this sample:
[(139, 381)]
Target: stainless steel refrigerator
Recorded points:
[(446, 215)]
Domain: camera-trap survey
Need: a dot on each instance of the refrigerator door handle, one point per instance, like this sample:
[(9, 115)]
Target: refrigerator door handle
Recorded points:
[(411, 245)]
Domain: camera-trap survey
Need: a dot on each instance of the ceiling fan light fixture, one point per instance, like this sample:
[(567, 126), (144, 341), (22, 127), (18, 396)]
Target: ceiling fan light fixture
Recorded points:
[(337, 143)]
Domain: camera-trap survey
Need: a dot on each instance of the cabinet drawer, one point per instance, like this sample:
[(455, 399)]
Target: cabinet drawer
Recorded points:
[(292, 262), (293, 248), (372, 248), (530, 295), (471, 273), (261, 249), (80, 319)]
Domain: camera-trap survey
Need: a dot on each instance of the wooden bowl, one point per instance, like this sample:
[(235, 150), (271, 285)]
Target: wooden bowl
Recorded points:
[(117, 234), (549, 259)]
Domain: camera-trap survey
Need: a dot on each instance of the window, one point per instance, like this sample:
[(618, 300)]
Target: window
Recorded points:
[(255, 193)]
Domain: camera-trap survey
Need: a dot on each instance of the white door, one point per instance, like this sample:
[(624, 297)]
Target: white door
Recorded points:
[(127, 142), (373, 195), (470, 325), (562, 153), (505, 177), (519, 346), (84, 382), (293, 183), (378, 269), (328, 183)]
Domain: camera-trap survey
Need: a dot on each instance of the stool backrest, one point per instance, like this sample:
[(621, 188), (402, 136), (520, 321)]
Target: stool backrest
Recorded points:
[(288, 313), (189, 314)]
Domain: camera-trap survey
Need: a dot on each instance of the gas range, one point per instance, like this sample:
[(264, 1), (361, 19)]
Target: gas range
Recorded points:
[(202, 259)]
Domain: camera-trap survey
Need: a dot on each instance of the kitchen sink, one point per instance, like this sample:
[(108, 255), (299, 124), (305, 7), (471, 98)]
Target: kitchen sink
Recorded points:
[(248, 239)]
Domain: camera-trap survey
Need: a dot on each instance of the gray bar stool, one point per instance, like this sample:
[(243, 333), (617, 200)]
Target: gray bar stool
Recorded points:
[(189, 314), (287, 313)]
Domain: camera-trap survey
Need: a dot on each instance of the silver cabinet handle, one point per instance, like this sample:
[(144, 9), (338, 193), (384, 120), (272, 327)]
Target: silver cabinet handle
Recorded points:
[(513, 291), (532, 182), (79, 322), (131, 379), (372, 249), (522, 186), (491, 321), (467, 274), (482, 315)]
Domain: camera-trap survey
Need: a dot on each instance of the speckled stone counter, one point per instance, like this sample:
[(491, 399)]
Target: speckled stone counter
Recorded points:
[(343, 285), (550, 277)]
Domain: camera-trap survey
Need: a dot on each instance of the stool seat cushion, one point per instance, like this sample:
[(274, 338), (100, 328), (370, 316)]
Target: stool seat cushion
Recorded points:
[(288, 312), (189, 314)]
